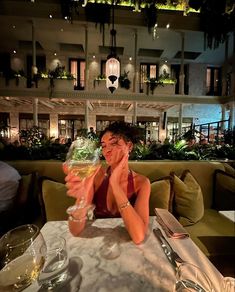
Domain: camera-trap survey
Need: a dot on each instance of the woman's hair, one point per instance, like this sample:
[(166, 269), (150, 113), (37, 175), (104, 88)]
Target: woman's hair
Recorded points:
[(126, 131)]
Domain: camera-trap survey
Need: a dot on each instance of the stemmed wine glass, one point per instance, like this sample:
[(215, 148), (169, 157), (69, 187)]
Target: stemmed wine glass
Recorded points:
[(22, 256), (82, 160)]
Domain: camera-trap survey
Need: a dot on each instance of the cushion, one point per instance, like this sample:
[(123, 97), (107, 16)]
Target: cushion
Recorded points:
[(224, 190), (27, 196), (188, 199), (161, 195), (24, 188), (55, 200)]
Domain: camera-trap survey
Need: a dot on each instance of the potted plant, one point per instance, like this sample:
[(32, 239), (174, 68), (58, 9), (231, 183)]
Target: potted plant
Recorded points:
[(59, 73), (124, 81), (11, 74)]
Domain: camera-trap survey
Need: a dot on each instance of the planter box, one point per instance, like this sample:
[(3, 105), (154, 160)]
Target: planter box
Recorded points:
[(100, 86), (13, 83), (63, 85), (166, 89)]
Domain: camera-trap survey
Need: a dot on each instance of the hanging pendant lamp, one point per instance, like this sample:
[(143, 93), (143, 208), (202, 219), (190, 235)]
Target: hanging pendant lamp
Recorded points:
[(112, 63)]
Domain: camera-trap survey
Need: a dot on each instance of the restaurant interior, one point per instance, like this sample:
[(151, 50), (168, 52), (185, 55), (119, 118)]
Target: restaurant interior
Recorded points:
[(69, 69)]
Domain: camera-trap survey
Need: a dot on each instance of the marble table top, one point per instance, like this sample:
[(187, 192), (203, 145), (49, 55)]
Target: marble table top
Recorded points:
[(142, 267)]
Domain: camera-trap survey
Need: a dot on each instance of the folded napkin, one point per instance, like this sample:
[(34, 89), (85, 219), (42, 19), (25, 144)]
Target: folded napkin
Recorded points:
[(170, 224)]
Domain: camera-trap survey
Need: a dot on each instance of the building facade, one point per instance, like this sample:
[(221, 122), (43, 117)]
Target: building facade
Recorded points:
[(170, 80)]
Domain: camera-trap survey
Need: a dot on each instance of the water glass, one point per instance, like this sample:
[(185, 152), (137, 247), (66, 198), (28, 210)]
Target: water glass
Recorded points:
[(22, 255), (55, 270), (191, 278)]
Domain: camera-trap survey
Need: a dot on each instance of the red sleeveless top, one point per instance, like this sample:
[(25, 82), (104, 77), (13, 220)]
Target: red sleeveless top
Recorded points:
[(100, 197)]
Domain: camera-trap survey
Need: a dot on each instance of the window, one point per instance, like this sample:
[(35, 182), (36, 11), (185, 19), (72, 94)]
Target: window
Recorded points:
[(26, 122), (77, 68), (103, 67), (175, 73), (173, 127), (4, 125), (104, 121), (70, 126), (213, 81), (150, 126), (147, 70)]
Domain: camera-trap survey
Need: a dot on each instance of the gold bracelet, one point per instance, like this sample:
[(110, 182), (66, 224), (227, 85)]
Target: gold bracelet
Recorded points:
[(123, 206)]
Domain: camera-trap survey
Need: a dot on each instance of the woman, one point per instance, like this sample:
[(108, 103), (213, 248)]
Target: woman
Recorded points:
[(115, 190)]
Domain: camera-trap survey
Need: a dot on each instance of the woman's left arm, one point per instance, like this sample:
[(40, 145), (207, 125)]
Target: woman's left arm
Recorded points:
[(136, 219)]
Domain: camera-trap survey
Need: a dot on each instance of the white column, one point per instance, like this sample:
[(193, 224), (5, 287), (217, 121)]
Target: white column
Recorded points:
[(34, 71), (135, 79), (35, 111), (86, 58), (181, 77), (180, 118), (134, 112), (54, 125), (86, 114), (232, 115), (162, 126), (14, 124), (223, 110), (225, 68)]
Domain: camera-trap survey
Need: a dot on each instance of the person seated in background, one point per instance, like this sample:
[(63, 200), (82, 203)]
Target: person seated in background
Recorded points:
[(9, 183), (115, 190)]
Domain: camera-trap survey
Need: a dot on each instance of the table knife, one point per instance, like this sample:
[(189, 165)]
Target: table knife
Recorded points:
[(172, 255)]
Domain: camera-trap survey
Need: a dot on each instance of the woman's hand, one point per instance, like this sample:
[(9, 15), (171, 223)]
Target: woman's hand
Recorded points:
[(120, 172)]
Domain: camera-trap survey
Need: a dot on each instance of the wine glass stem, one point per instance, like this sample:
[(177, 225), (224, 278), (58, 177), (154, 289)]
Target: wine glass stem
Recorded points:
[(83, 197)]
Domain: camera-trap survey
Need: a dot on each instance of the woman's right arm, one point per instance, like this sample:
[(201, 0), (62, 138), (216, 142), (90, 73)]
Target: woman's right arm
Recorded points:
[(76, 188)]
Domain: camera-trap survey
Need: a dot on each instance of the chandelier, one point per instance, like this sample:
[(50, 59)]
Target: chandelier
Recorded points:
[(112, 63)]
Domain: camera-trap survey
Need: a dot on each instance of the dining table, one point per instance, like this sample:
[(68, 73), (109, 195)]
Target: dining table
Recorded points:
[(142, 267)]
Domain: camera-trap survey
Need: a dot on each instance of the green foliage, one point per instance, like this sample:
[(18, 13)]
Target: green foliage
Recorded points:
[(124, 81), (35, 145), (32, 137), (84, 149), (60, 73)]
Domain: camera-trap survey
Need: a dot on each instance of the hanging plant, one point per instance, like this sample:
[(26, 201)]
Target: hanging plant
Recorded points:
[(217, 20), (150, 15), (98, 13), (124, 81)]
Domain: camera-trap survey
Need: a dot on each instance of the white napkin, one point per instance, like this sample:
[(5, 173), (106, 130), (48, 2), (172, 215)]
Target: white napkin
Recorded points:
[(170, 224)]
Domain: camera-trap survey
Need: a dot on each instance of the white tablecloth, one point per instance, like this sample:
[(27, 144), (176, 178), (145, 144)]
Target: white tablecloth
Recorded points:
[(141, 267)]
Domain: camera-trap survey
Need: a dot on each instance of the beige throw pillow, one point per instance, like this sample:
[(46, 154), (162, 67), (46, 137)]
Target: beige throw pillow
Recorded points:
[(188, 199), (161, 195), (55, 200)]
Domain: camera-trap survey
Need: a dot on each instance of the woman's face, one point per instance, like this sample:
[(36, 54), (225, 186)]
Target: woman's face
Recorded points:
[(114, 148)]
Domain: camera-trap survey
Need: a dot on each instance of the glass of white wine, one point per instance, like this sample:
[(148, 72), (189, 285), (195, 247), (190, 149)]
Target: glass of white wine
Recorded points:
[(82, 160), (21, 257)]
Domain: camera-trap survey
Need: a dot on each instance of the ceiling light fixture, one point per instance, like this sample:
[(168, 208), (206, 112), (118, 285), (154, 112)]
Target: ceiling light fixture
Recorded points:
[(112, 63)]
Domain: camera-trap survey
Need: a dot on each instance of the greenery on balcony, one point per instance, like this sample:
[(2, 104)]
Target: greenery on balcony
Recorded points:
[(35, 145), (11, 74), (162, 80)]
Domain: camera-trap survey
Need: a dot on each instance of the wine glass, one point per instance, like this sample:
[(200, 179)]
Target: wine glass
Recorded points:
[(82, 160), (22, 256), (191, 278)]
